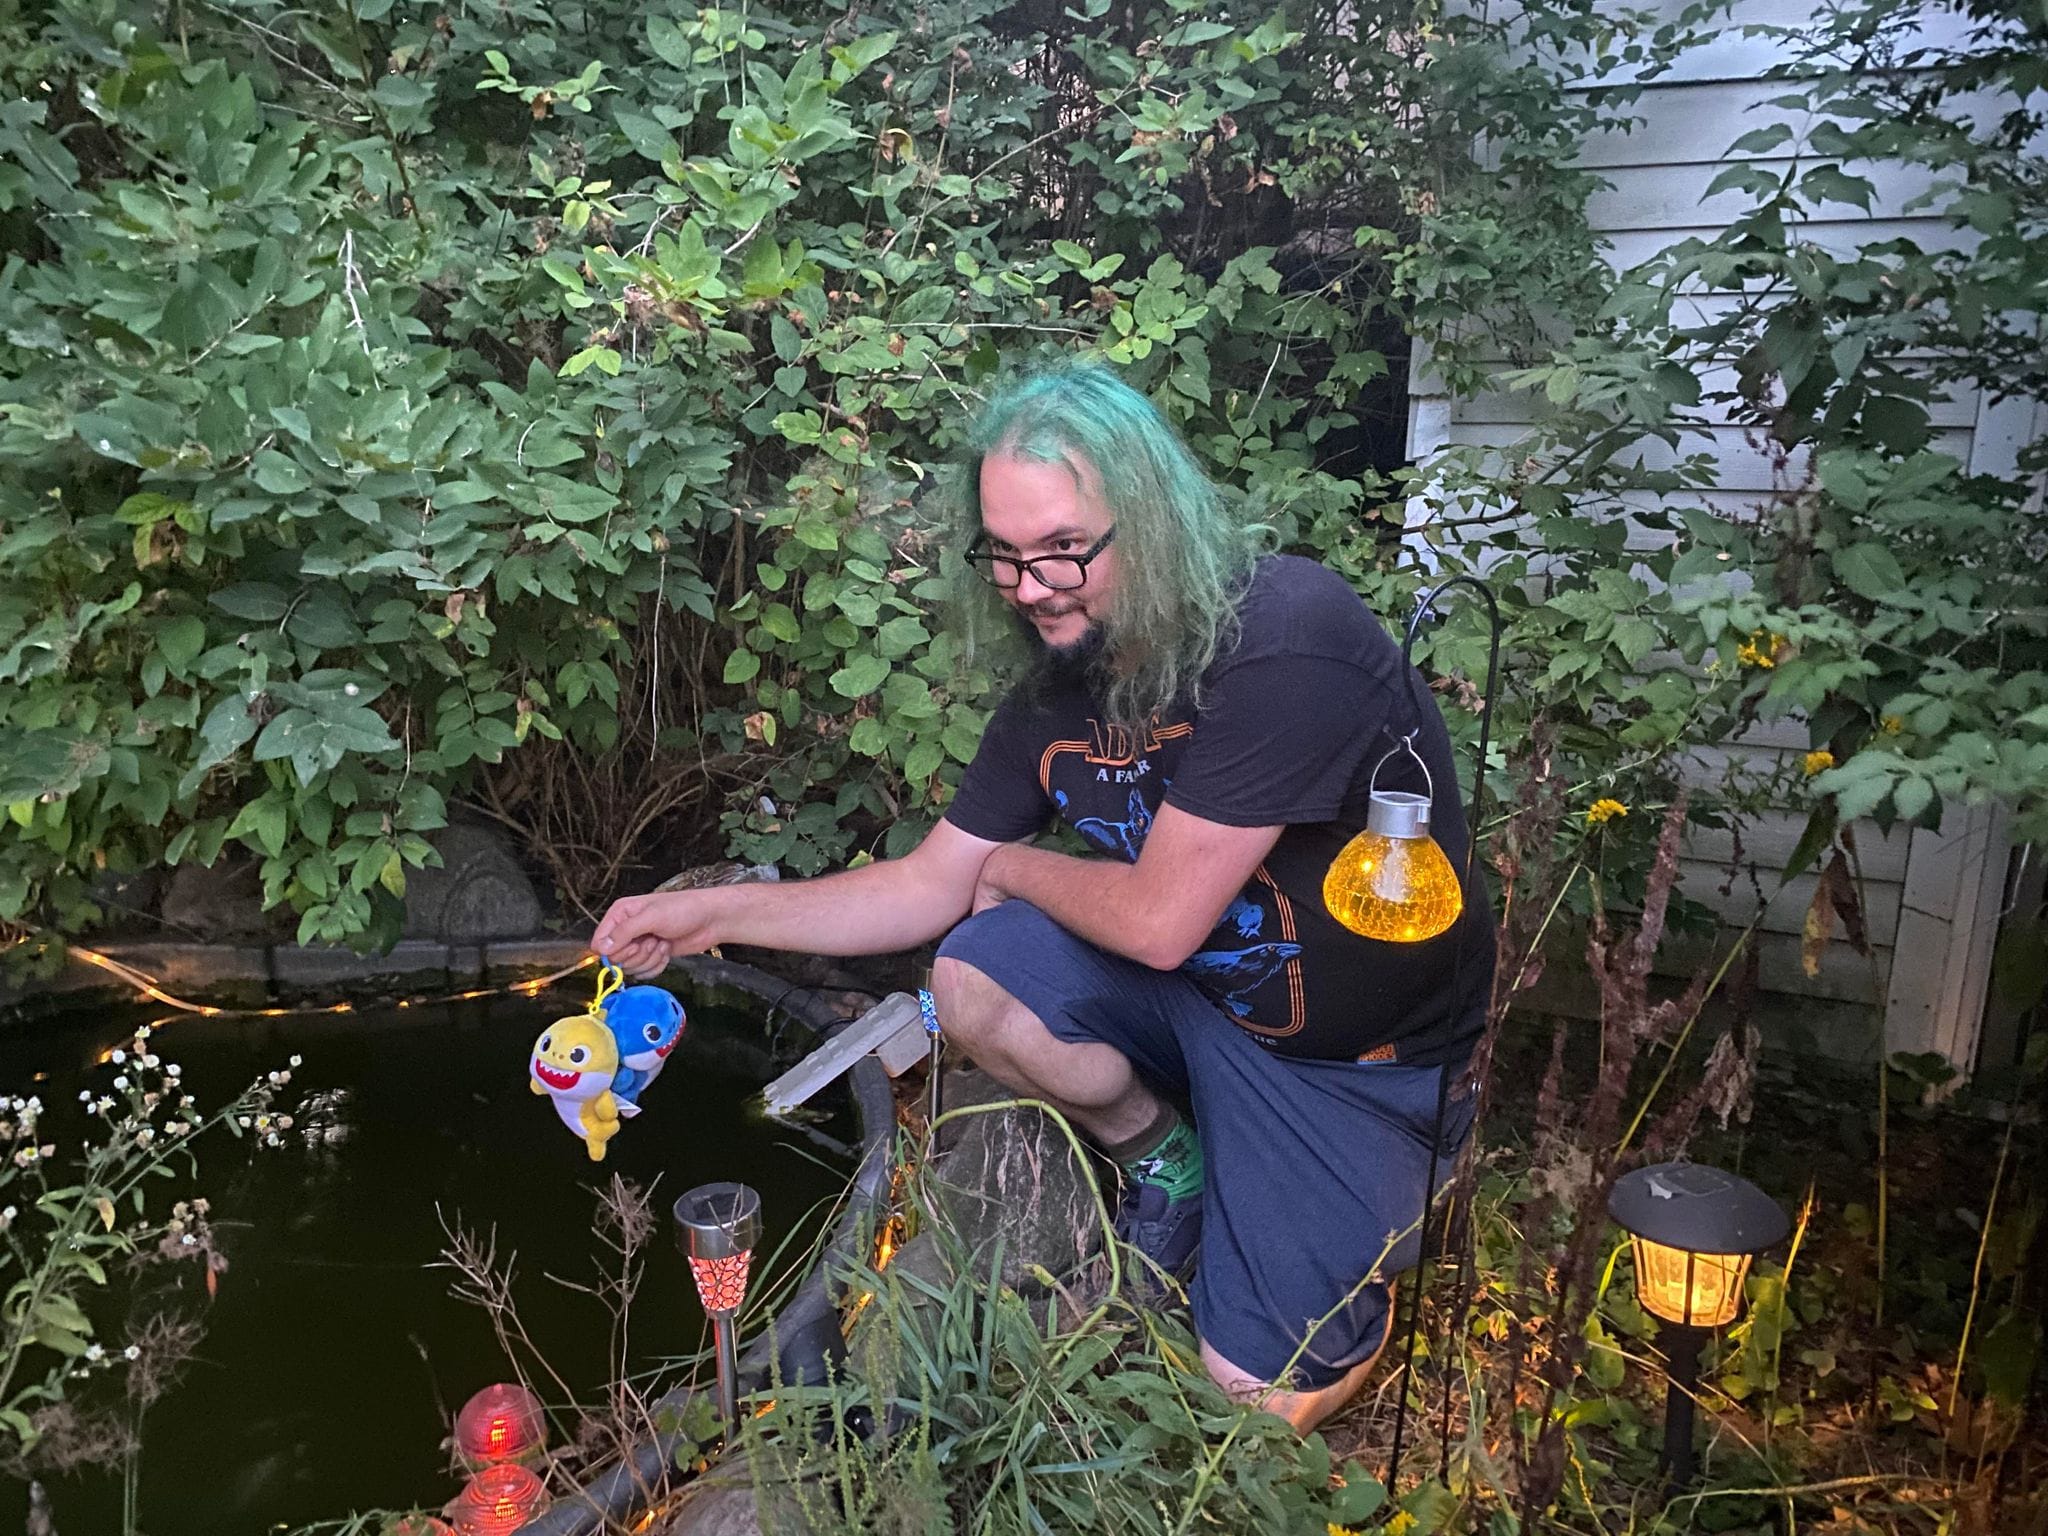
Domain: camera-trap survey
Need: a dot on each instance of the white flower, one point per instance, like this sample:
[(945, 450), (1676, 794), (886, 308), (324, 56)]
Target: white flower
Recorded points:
[(132, 1352), (173, 1070), (187, 1240), (121, 1084), (95, 1352), (297, 1061), (102, 1105), (85, 1095), (117, 1056), (149, 1060)]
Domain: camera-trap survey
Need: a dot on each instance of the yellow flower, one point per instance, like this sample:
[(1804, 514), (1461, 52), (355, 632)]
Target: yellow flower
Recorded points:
[(1818, 762), (1403, 1522), (1761, 649), (1891, 725), (1601, 811), (1334, 1529)]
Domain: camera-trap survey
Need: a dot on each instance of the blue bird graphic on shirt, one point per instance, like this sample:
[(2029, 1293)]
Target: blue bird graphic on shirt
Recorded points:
[(1234, 973), (1125, 838), (1247, 917)]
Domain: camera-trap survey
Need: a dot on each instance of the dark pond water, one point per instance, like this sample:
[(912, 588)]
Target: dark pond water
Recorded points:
[(334, 1353)]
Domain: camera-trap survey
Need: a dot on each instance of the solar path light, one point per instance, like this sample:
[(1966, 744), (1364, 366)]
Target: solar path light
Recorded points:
[(1695, 1231), (718, 1226)]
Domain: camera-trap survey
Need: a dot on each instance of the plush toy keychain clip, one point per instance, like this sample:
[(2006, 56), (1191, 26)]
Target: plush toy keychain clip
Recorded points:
[(646, 1022), (594, 1064), (575, 1062)]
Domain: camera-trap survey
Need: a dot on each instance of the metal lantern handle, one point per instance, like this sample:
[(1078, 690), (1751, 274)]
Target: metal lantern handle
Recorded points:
[(1406, 742)]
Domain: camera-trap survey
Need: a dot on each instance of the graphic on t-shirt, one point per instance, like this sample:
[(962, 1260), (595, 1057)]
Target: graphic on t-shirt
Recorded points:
[(1231, 974), (1113, 754), (1247, 917), (1123, 838)]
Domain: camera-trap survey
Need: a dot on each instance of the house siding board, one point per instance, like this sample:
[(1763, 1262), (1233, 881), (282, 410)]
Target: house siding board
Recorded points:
[(1921, 891)]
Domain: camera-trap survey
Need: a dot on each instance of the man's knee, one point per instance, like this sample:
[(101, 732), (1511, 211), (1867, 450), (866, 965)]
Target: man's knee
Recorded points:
[(971, 1007)]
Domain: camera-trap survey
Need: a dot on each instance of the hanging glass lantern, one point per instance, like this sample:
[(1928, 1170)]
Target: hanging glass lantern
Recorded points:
[(1392, 881)]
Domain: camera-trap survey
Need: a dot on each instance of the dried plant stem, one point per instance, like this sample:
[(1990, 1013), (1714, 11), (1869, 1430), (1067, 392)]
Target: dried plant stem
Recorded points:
[(1671, 1057), (1784, 1300), (1977, 1275)]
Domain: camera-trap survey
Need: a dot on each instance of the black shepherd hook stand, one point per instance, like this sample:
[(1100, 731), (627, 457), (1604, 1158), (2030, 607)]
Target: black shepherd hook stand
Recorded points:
[(1424, 607)]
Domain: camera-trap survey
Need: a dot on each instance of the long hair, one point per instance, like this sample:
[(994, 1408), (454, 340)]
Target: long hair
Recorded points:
[(1183, 560)]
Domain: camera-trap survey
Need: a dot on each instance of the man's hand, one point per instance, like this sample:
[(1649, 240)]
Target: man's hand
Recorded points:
[(642, 934)]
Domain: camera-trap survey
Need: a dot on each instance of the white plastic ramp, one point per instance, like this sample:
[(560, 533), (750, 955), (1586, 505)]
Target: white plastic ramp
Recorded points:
[(893, 1030)]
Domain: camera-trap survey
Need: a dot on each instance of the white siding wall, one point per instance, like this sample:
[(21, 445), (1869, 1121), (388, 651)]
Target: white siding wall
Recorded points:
[(1932, 899)]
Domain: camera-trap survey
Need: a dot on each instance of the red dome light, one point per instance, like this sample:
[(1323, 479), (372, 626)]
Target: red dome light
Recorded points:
[(499, 1500), (501, 1423)]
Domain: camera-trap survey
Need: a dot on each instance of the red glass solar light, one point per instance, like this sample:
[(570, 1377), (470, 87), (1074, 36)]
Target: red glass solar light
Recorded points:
[(501, 1423), (499, 1500), (722, 1283)]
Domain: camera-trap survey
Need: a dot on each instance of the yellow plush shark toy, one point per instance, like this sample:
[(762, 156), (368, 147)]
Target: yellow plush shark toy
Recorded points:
[(573, 1063)]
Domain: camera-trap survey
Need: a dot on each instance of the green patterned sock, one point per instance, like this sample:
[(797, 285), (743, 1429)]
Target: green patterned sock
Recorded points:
[(1175, 1164)]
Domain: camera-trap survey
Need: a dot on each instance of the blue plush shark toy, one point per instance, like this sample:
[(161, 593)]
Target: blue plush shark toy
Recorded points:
[(646, 1022)]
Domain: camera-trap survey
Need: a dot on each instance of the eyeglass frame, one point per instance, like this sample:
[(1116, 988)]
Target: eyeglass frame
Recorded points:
[(979, 553)]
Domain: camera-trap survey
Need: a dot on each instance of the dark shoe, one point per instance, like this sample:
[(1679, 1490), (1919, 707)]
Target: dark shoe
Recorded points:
[(1164, 1230)]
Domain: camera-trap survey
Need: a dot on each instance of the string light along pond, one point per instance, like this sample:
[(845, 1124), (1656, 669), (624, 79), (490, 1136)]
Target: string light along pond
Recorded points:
[(335, 1351)]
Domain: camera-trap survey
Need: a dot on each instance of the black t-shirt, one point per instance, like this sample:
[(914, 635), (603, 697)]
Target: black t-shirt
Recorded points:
[(1294, 716)]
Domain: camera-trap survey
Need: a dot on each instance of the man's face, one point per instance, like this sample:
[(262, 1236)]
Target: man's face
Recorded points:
[(1030, 509)]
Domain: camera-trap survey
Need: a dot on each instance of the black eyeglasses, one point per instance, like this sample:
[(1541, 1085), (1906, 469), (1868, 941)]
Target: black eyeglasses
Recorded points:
[(1059, 573)]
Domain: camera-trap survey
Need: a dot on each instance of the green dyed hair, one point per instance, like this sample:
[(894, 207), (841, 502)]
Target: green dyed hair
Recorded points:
[(1183, 560)]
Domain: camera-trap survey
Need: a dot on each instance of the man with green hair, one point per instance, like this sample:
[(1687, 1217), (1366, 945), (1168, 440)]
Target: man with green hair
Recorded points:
[(1208, 719)]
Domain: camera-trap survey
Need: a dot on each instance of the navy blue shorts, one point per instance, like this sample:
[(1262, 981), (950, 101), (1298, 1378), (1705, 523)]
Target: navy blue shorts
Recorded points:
[(1312, 1167)]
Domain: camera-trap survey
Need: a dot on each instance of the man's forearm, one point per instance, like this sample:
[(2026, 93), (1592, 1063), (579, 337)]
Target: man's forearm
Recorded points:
[(1097, 899), (875, 910)]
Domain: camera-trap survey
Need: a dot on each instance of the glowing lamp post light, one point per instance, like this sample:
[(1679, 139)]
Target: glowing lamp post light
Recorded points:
[(718, 1227), (498, 1501), (503, 1422), (1694, 1230)]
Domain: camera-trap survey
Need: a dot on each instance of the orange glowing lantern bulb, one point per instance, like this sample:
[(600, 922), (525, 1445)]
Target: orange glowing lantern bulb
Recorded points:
[(499, 1500), (1392, 882), (503, 1422)]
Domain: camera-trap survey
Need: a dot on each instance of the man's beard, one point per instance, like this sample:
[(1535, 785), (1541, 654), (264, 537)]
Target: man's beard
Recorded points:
[(1078, 661)]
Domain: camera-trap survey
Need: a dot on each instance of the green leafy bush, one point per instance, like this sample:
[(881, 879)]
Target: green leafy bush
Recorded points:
[(529, 407)]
